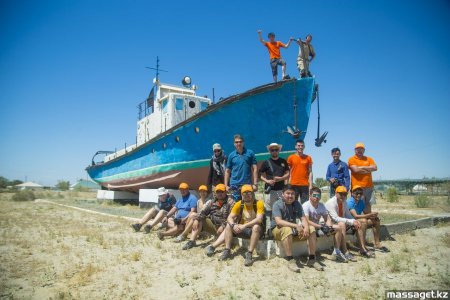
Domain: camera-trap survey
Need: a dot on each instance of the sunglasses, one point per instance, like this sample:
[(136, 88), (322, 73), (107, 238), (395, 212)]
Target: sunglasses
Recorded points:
[(217, 150), (358, 194), (316, 195), (274, 150), (238, 142), (220, 192), (246, 193)]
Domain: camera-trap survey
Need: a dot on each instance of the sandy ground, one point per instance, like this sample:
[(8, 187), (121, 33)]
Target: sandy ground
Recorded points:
[(52, 252)]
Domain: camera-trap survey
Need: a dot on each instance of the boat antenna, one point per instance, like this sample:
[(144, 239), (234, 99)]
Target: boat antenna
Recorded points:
[(157, 69)]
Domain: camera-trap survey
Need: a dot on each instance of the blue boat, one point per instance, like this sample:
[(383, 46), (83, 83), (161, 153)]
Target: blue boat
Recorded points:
[(177, 128)]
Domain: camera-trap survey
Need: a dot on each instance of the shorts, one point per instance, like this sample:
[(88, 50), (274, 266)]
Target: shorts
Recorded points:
[(302, 192), (281, 233), (209, 226), (245, 234), (274, 63), (368, 194), (159, 209), (269, 199)]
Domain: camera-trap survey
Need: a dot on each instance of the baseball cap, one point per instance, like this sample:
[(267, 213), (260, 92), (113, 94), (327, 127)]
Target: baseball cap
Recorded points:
[(217, 146), (162, 191), (355, 187), (246, 188), (203, 188), (341, 189), (221, 187), (184, 185), (360, 145)]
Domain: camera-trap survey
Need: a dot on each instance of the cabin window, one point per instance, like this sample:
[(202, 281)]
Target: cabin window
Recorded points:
[(164, 106), (203, 105), (191, 104), (179, 104)]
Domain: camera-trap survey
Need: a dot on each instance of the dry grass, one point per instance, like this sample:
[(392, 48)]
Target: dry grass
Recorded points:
[(60, 253)]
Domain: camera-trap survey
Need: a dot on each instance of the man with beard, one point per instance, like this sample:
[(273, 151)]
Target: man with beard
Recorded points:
[(216, 167)]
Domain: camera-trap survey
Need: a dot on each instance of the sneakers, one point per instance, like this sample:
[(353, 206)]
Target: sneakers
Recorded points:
[(349, 256), (338, 256), (248, 259), (312, 263), (286, 77), (180, 238), (225, 254), (210, 250), (136, 227), (147, 228), (160, 235), (189, 245), (293, 266)]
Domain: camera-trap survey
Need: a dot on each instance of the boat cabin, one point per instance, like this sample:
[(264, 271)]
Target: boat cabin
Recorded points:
[(167, 106)]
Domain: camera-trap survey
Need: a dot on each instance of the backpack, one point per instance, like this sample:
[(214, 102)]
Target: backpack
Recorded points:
[(263, 225)]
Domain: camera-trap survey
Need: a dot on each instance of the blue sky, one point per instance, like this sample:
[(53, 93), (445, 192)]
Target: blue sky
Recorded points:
[(72, 73)]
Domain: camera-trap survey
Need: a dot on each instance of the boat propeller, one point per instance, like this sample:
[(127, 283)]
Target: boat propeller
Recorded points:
[(294, 131)]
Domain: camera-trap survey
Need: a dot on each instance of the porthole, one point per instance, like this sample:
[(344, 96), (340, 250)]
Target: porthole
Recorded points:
[(177, 139), (191, 104), (197, 129)]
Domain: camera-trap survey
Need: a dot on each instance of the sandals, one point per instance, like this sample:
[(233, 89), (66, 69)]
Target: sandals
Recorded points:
[(382, 249), (367, 254)]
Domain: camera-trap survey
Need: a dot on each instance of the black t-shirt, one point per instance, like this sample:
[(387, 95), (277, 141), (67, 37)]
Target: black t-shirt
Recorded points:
[(280, 166)]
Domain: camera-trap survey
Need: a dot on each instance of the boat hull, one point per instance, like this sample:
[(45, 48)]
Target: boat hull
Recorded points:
[(182, 154)]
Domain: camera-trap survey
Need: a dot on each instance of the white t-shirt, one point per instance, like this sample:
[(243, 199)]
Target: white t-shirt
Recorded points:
[(314, 214)]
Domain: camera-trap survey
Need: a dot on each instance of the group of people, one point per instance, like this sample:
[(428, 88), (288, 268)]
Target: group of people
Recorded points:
[(306, 54), (291, 209)]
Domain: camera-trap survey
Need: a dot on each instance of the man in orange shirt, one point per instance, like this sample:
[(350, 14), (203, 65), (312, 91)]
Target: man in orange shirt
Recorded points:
[(361, 168), (301, 176), (274, 53)]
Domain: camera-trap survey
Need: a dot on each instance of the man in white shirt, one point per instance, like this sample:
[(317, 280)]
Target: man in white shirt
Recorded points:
[(342, 220)]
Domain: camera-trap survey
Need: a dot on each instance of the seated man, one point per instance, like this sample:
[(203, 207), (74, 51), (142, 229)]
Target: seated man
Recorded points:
[(314, 210), (176, 218), (212, 218), (285, 228), (342, 220), (368, 219), (203, 192), (157, 213), (244, 221)]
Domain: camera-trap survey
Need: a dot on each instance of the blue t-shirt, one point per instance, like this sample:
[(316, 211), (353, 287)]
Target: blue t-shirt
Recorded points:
[(241, 167), (185, 204), (358, 207)]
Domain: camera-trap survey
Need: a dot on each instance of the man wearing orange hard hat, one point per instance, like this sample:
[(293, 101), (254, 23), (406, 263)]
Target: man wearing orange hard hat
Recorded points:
[(342, 221), (176, 218), (361, 168)]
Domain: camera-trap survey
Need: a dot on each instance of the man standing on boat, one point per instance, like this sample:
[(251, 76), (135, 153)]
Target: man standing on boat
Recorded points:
[(241, 168), (301, 177), (305, 56), (274, 53), (217, 167), (361, 169)]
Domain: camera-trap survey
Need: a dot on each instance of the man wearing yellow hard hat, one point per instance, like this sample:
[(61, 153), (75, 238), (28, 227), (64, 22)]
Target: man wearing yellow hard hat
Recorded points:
[(361, 167), (342, 220), (245, 221), (176, 218)]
